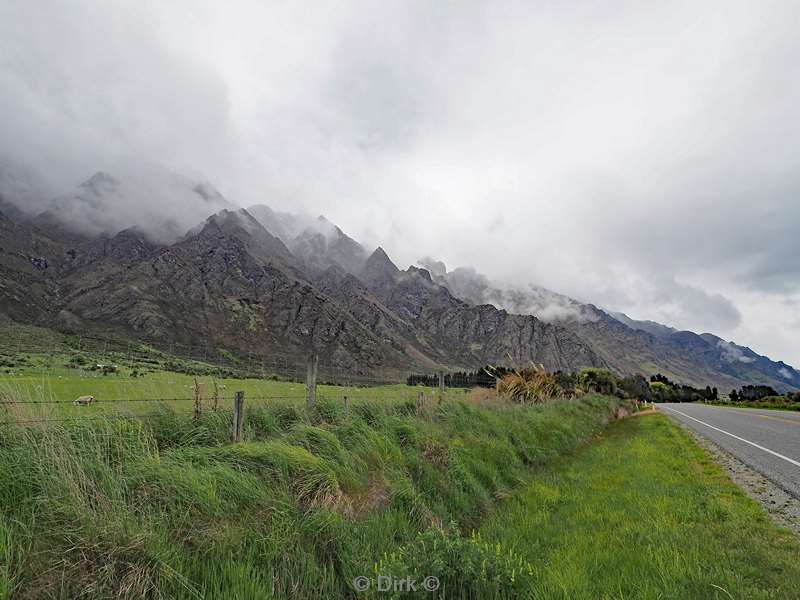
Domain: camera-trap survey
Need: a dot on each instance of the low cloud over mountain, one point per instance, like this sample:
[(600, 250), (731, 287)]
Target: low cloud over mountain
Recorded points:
[(466, 283)]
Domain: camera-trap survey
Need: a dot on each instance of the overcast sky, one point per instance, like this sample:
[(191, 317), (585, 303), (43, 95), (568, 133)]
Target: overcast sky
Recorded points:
[(639, 155)]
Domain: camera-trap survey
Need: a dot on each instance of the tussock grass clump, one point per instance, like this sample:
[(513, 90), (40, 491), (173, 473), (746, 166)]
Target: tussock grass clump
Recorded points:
[(530, 385), (168, 508)]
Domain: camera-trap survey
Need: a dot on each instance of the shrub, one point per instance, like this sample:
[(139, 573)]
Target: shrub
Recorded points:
[(661, 391), (601, 381), (78, 360), (637, 387), (569, 382)]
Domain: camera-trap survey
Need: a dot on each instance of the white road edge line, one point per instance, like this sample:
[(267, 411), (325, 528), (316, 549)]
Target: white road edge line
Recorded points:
[(741, 439)]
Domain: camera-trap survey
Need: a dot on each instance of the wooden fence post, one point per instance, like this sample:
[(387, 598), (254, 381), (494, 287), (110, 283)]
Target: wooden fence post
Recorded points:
[(346, 407), (238, 416), (216, 395), (441, 386), (196, 400), (420, 402), (311, 380)]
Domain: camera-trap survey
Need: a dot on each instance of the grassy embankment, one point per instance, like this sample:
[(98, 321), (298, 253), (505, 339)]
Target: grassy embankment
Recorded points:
[(169, 509), (645, 513)]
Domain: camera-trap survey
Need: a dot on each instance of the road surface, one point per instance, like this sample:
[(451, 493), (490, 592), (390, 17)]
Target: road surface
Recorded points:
[(765, 440)]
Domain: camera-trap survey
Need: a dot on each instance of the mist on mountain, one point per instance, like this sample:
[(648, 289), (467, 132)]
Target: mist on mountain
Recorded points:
[(160, 203), (528, 299)]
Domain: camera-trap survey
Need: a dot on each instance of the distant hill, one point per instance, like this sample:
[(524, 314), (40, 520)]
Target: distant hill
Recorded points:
[(628, 345)]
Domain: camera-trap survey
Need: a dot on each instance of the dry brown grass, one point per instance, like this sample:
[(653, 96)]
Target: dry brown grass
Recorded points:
[(529, 385), (376, 495), (480, 396)]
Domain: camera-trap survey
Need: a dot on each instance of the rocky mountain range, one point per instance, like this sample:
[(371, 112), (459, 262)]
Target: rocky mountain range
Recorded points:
[(278, 284)]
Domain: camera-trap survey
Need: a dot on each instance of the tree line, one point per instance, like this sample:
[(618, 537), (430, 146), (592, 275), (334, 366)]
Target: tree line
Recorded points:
[(659, 387), (762, 393), (664, 389), (485, 377)]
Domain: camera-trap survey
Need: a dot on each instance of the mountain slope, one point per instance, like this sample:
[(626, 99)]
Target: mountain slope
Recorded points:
[(651, 327), (28, 264), (727, 362), (230, 283), (233, 283), (456, 332)]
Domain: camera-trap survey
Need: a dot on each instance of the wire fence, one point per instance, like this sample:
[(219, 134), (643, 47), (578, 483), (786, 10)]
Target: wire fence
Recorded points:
[(54, 387), (43, 373), (421, 398)]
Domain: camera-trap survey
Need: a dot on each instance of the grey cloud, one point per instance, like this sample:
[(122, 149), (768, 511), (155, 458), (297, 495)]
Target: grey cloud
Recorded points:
[(694, 305), (640, 157), (733, 354), (469, 285), (163, 204), (85, 82)]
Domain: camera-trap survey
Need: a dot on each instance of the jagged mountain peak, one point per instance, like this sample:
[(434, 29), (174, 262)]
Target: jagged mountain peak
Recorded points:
[(424, 273), (237, 218), (379, 264), (379, 255), (285, 225), (239, 224)]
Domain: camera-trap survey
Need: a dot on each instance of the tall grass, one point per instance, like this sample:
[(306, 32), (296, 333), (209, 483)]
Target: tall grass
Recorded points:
[(167, 508)]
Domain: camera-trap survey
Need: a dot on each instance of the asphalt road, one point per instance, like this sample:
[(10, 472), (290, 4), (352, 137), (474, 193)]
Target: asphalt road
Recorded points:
[(765, 440)]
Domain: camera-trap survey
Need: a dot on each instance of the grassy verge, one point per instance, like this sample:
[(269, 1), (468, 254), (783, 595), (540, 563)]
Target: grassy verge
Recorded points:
[(645, 513), (166, 508), (795, 406)]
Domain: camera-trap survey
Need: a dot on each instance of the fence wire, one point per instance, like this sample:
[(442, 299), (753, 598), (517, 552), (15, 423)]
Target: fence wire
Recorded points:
[(145, 373)]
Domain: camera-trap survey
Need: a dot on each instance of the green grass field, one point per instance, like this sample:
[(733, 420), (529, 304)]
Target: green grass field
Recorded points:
[(42, 385), (645, 513), (50, 394)]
